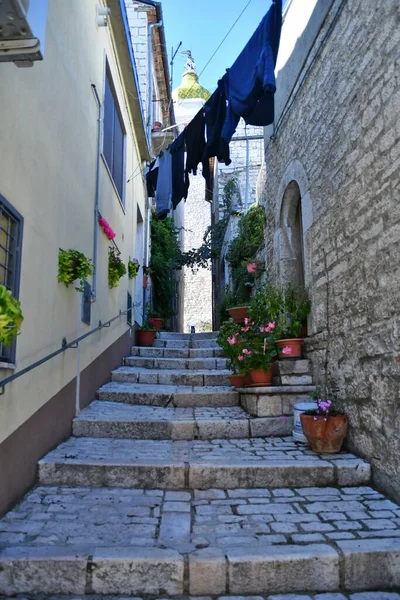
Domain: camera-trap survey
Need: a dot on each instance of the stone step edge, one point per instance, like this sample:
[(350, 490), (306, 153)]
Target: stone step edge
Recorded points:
[(190, 429), (200, 474), (349, 565), (277, 389)]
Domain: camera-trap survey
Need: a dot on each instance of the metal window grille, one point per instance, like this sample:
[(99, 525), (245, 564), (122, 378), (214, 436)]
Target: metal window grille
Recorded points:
[(114, 136), (11, 224)]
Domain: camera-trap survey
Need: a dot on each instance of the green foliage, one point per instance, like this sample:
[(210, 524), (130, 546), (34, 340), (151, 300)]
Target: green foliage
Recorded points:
[(116, 268), (166, 256), (287, 306), (73, 265), (147, 327), (133, 268), (10, 316), (231, 330), (244, 249)]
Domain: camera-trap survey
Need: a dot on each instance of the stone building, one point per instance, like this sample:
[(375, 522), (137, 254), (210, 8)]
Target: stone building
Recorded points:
[(332, 189)]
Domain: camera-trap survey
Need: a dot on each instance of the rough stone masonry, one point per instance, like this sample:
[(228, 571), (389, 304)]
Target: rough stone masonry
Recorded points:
[(339, 140)]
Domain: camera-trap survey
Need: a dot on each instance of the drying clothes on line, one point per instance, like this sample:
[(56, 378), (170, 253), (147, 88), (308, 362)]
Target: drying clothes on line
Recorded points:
[(151, 178), (215, 117), (250, 82), (179, 184), (195, 147), (164, 185)]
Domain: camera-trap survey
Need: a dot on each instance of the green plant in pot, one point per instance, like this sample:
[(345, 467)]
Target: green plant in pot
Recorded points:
[(295, 307), (73, 265), (145, 334), (260, 350), (116, 268), (133, 268), (10, 316), (230, 340), (155, 318), (325, 428)]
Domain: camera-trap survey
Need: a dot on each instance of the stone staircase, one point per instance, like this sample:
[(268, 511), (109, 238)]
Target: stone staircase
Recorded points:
[(174, 484)]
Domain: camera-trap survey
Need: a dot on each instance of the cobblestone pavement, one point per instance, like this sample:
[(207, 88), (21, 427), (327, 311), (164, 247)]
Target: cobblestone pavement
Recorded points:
[(187, 520), (235, 450), (378, 595)]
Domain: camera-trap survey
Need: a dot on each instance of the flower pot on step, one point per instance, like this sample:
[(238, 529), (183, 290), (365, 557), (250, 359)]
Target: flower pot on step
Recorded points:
[(156, 322), (145, 337), (294, 344), (238, 381), (239, 313), (261, 377), (324, 434), (298, 409)]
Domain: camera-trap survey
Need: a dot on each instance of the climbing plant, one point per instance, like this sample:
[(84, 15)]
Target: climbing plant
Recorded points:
[(243, 251), (166, 256)]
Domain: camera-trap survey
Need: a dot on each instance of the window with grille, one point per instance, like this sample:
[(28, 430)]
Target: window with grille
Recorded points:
[(11, 224), (114, 136)]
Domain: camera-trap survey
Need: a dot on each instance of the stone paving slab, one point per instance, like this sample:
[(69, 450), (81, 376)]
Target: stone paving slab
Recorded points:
[(258, 462), (174, 395), (117, 420), (179, 362), (236, 540), (198, 377), (376, 595), (186, 352)]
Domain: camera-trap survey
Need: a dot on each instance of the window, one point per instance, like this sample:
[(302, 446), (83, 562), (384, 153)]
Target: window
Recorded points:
[(114, 136), (11, 224)]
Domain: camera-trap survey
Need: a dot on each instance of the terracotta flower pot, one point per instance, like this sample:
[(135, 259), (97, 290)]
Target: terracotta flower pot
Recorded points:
[(324, 434), (145, 337), (238, 381), (157, 322), (145, 281), (239, 313), (261, 377), (247, 380), (295, 344)]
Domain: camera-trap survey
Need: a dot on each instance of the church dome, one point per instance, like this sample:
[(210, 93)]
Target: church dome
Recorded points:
[(191, 88)]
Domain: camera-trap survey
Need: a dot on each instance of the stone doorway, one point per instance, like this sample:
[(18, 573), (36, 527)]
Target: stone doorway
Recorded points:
[(291, 260)]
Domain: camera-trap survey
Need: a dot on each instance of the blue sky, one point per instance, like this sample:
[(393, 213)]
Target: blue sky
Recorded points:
[(201, 26)]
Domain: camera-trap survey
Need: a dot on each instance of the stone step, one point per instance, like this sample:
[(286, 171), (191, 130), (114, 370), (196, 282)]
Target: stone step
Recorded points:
[(201, 543), (176, 363), (275, 400), (185, 343), (229, 463), (364, 595), (174, 395), (177, 352), (172, 335), (292, 372), (124, 421), (216, 377)]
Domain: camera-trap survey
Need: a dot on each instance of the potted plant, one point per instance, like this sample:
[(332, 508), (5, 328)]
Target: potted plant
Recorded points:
[(73, 265), (295, 307), (260, 350), (133, 267), (239, 313), (324, 427), (116, 268), (232, 343), (155, 318), (145, 334), (146, 273), (10, 316)]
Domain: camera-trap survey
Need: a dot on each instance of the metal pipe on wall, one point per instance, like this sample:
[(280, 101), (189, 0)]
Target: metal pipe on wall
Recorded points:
[(97, 193), (150, 70)]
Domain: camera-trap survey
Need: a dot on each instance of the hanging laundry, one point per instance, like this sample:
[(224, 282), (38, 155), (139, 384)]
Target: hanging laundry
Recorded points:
[(179, 185), (250, 82), (164, 185), (152, 177), (195, 147)]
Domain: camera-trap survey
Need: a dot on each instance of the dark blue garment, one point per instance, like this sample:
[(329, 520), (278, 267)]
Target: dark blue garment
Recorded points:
[(216, 114), (164, 185), (250, 82), (179, 186)]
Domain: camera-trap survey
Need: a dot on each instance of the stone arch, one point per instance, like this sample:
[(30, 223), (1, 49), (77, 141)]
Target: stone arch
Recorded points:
[(293, 219)]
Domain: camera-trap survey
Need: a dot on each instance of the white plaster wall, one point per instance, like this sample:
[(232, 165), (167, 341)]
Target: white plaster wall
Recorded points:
[(48, 148)]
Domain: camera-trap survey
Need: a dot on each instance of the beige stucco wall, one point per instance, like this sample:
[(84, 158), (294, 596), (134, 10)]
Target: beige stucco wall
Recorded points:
[(48, 146)]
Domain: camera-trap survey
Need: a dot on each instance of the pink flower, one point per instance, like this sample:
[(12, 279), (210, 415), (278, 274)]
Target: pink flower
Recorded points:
[(271, 325), (246, 321), (240, 357), (262, 329), (102, 222), (245, 351), (286, 350), (231, 340), (252, 267), (245, 329)]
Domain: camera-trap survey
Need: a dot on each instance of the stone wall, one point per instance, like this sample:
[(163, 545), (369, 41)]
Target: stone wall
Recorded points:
[(197, 285), (339, 140)]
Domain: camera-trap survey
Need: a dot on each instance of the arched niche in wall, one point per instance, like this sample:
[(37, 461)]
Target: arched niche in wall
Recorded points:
[(293, 219)]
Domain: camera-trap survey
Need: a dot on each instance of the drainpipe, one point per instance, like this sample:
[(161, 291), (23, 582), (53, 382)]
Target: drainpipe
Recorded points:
[(150, 68), (97, 193), (146, 249)]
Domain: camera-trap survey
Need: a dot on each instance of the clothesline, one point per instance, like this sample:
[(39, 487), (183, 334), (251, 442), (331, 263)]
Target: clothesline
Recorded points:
[(245, 91)]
